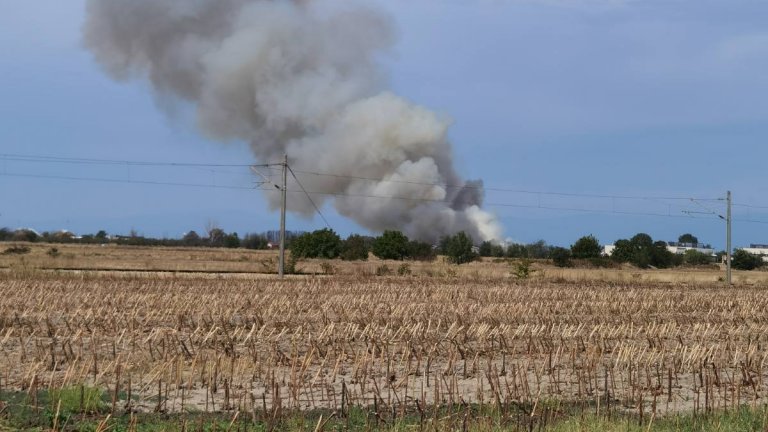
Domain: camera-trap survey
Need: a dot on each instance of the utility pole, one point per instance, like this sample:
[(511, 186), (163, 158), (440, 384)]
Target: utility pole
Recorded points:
[(728, 240), (284, 190)]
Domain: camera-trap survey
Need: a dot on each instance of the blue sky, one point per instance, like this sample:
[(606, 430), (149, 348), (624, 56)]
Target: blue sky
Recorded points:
[(625, 98)]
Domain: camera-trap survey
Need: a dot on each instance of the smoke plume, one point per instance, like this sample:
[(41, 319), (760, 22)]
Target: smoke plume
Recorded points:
[(298, 78)]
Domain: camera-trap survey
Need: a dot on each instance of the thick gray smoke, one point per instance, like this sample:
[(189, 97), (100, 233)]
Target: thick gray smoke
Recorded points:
[(298, 78)]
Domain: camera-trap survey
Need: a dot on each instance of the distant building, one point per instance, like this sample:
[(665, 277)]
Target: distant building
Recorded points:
[(681, 248), (758, 249), (674, 247)]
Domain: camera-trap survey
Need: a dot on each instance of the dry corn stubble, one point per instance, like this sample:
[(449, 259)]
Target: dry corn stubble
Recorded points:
[(186, 343)]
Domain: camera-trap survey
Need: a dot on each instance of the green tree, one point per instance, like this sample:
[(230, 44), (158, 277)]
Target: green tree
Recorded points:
[(643, 252), (516, 250), (254, 241), (561, 257), (392, 245), (25, 235), (216, 237), (743, 260), (623, 251), (191, 239), (486, 248), (694, 257), (232, 241), (538, 250), (421, 251), (688, 238), (355, 248), (324, 243), (661, 257), (458, 248), (586, 247)]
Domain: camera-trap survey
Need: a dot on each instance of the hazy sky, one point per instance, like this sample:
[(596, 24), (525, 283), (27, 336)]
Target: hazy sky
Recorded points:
[(613, 98)]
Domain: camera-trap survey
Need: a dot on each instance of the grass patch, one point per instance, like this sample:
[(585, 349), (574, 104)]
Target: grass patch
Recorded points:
[(471, 418), (86, 409), (45, 409), (743, 419)]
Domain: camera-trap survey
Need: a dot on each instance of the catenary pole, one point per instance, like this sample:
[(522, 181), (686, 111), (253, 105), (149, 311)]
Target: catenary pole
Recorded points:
[(728, 221), (284, 190)]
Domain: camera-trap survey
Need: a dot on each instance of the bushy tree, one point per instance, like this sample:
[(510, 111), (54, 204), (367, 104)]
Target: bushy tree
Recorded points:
[(743, 260), (232, 241), (324, 243), (5, 234), (254, 241), (538, 250), (102, 237), (485, 249), (216, 237), (25, 235), (421, 251), (643, 252), (392, 245), (355, 248), (561, 257), (191, 239), (491, 249), (694, 257), (586, 247), (623, 251), (458, 248), (661, 257), (688, 238), (516, 250)]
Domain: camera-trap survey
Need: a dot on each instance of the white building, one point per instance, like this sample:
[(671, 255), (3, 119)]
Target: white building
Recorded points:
[(681, 248), (758, 249), (675, 248)]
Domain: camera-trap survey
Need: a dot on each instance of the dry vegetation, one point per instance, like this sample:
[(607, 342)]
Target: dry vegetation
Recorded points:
[(197, 262), (260, 346)]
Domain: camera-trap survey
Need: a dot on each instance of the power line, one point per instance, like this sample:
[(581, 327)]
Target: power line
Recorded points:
[(497, 189), (141, 182), (751, 221), (751, 206), (619, 212), (92, 161), (525, 206), (309, 197), (353, 195), (89, 161)]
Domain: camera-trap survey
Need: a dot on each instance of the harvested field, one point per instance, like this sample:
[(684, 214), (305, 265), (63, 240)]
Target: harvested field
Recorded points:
[(217, 344)]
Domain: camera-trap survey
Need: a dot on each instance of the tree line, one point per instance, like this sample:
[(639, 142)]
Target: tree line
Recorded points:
[(213, 237), (390, 245), (641, 250)]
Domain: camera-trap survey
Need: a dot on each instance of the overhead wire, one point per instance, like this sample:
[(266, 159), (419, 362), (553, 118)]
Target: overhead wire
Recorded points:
[(308, 197), (750, 206), (498, 189), (108, 180), (91, 161), (272, 166)]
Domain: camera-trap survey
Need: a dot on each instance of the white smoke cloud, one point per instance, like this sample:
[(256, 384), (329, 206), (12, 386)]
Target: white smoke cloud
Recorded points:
[(298, 78)]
